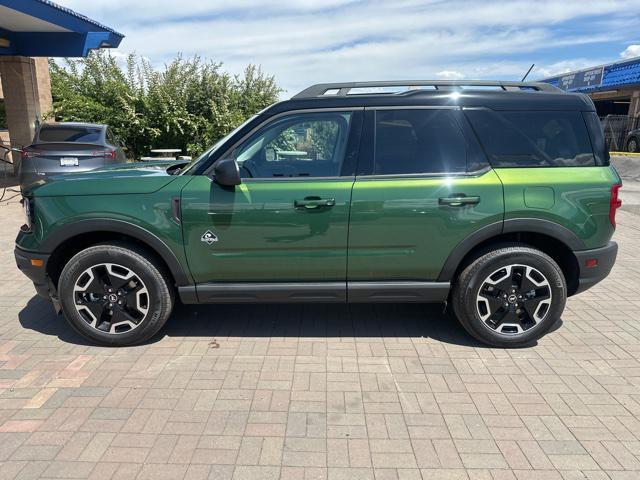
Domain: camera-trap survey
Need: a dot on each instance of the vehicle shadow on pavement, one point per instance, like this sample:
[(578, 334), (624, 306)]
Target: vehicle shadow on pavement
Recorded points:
[(318, 321), (281, 320), (38, 315)]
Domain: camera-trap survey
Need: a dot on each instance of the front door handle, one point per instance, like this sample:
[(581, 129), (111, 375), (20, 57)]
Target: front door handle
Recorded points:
[(458, 201), (313, 203)]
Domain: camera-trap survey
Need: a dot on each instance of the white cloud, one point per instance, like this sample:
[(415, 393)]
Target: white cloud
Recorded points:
[(450, 75), (564, 66), (304, 41), (631, 51)]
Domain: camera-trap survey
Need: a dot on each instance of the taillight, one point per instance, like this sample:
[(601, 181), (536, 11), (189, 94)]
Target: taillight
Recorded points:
[(30, 153), (615, 203), (104, 153)]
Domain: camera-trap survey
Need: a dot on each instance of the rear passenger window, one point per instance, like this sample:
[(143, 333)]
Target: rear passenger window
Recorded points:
[(533, 139), (418, 141)]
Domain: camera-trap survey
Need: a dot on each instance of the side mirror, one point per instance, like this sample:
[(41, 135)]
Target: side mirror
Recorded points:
[(226, 172)]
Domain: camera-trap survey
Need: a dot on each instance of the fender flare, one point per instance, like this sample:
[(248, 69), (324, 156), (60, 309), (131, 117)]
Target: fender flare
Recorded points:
[(514, 225), (68, 231)]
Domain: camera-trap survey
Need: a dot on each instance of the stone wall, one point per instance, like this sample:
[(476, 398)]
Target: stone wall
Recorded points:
[(27, 96)]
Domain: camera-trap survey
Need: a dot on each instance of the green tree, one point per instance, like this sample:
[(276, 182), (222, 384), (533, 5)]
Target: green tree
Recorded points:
[(188, 104)]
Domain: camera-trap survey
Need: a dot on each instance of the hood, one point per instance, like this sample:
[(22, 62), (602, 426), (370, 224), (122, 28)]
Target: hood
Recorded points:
[(124, 178)]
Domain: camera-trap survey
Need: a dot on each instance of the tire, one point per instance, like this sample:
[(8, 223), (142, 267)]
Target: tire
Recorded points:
[(140, 298), (633, 145), (524, 275)]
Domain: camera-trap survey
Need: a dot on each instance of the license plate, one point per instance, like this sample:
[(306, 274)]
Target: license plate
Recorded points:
[(68, 162)]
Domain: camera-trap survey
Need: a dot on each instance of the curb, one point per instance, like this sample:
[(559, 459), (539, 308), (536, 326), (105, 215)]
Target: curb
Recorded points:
[(625, 154)]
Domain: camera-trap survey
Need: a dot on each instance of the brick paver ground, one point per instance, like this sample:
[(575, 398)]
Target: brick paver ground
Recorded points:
[(322, 392)]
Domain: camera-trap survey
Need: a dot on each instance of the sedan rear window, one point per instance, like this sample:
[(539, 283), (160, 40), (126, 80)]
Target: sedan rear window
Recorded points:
[(533, 139), (69, 134)]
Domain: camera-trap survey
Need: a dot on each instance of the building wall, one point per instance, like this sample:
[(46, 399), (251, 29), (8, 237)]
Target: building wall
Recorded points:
[(27, 97), (634, 106), (4, 134)]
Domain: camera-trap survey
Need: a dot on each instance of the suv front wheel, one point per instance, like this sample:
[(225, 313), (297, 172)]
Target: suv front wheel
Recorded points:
[(112, 294), (510, 297)]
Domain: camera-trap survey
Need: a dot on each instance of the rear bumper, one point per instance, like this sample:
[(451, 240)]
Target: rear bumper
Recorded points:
[(28, 178), (38, 275), (605, 257)]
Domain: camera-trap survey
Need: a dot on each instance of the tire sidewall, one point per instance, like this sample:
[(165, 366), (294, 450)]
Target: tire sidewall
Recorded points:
[(532, 258), (151, 277)]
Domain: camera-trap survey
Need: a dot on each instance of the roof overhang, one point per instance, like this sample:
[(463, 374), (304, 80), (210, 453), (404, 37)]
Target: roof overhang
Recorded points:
[(41, 28)]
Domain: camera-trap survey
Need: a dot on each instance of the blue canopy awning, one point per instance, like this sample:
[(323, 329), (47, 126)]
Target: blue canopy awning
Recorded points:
[(621, 74), (41, 28)]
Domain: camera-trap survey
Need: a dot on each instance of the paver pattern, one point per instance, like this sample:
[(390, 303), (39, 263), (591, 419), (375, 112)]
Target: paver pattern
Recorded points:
[(384, 392)]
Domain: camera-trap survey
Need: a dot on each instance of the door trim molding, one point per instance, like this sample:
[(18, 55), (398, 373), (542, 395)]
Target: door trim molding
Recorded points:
[(398, 291), (316, 292), (265, 292)]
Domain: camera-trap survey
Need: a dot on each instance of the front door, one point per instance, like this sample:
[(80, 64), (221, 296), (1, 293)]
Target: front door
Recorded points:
[(423, 188), (288, 220)]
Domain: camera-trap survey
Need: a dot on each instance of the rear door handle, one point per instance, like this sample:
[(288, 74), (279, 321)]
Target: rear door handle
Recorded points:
[(312, 203), (458, 201)]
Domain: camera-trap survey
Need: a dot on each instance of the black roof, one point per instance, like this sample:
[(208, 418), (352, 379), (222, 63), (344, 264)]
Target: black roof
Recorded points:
[(494, 95)]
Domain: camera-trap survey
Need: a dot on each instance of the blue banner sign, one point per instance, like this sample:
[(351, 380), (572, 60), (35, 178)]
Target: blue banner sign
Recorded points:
[(613, 75)]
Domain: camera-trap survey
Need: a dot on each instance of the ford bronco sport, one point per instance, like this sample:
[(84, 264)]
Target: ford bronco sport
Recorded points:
[(496, 197)]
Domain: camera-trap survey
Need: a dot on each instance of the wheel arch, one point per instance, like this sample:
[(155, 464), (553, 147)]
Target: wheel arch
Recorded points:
[(549, 237), (70, 239)]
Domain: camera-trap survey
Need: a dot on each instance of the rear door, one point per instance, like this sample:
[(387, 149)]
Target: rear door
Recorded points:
[(423, 186), (288, 220)]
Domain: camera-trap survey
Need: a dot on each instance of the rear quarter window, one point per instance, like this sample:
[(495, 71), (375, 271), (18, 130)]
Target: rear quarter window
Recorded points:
[(70, 134), (533, 138), (600, 149)]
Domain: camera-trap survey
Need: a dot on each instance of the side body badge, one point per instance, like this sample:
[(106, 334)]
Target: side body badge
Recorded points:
[(209, 237)]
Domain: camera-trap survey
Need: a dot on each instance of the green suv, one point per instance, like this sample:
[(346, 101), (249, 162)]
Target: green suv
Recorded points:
[(495, 197)]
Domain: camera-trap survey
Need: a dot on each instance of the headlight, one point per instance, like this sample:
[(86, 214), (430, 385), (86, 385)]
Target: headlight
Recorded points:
[(27, 206)]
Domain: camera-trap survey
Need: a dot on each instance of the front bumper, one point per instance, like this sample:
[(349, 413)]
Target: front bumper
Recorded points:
[(37, 274), (604, 257)]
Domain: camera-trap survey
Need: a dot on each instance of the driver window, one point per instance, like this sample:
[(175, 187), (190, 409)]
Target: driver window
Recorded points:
[(301, 145)]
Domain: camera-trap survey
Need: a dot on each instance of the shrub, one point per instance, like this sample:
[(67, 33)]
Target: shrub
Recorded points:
[(188, 104)]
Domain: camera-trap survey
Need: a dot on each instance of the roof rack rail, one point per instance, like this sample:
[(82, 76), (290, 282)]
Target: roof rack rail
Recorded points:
[(343, 89)]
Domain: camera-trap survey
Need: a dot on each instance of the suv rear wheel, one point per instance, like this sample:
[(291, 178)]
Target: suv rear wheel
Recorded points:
[(633, 145), (510, 297), (113, 295)]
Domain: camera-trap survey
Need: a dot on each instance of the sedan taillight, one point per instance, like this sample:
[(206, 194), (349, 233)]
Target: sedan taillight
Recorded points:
[(30, 153), (104, 153)]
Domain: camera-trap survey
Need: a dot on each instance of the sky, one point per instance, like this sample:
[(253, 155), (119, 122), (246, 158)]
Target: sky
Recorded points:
[(302, 42)]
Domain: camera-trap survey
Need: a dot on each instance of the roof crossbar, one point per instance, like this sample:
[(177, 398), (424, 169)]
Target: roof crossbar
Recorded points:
[(343, 89)]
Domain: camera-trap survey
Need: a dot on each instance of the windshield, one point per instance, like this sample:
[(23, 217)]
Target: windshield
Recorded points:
[(202, 158)]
